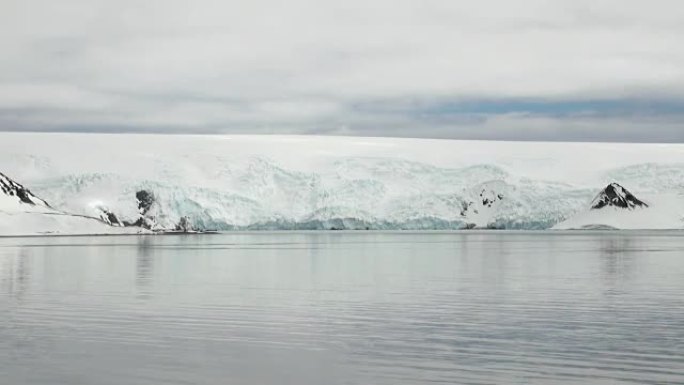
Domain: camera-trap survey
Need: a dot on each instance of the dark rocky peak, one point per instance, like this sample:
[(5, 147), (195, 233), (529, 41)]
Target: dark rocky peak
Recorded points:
[(145, 201), (614, 195), (23, 195), (146, 220)]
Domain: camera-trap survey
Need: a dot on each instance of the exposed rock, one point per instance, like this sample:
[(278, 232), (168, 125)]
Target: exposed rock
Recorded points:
[(480, 208), (148, 223), (108, 217), (490, 197), (465, 207), (14, 189), (145, 201), (614, 195), (184, 225)]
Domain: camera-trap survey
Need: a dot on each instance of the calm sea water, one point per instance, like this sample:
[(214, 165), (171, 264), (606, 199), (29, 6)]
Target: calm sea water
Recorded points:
[(344, 308)]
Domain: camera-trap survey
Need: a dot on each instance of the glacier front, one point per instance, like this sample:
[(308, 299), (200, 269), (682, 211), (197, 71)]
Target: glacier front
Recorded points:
[(307, 182)]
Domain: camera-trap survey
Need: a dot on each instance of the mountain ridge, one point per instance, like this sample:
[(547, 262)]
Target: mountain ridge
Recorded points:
[(614, 195)]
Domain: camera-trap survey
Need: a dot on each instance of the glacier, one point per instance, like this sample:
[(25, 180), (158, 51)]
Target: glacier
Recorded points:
[(248, 182)]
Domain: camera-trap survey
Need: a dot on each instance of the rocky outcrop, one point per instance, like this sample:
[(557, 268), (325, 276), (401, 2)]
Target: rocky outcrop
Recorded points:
[(614, 195), (23, 195), (145, 200), (480, 210), (107, 216), (184, 225)]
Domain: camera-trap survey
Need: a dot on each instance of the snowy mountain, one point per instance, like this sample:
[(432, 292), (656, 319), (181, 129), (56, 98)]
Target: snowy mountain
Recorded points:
[(617, 208), (304, 182), (615, 195), (23, 213), (16, 196)]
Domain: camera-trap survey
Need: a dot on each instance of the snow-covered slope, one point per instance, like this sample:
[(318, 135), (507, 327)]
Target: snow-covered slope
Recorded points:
[(15, 197), (23, 213), (616, 207), (301, 182), (55, 223)]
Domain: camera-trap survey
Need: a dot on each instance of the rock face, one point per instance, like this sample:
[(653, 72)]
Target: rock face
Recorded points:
[(145, 220), (184, 225), (145, 201), (109, 217), (614, 195), (23, 195)]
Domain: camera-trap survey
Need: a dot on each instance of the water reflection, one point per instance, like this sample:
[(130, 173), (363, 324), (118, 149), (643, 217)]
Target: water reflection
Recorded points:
[(144, 266), (617, 262), (347, 308), (15, 273)]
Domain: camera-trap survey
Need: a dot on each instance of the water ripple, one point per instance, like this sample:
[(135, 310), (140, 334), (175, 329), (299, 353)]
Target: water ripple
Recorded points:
[(291, 308)]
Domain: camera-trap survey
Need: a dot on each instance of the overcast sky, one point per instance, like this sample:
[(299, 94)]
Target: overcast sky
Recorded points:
[(525, 69)]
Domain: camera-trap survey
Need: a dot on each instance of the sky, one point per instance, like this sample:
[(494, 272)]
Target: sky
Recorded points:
[(575, 70)]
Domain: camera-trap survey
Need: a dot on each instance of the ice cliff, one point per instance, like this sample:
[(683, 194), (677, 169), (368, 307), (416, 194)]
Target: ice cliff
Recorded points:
[(298, 182)]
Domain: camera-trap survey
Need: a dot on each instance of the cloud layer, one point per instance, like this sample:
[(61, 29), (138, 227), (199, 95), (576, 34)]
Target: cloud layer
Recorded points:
[(556, 70)]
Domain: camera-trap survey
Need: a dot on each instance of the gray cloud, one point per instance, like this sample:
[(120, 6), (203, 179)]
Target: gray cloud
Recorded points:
[(324, 67)]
